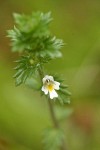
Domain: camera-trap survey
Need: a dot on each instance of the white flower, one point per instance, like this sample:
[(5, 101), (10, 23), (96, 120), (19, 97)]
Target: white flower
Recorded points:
[(49, 86)]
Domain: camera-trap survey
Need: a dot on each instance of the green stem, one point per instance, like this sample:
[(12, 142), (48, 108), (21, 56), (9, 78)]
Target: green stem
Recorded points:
[(51, 108), (54, 119)]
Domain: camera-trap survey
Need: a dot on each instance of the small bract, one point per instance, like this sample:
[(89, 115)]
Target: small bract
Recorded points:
[(49, 86)]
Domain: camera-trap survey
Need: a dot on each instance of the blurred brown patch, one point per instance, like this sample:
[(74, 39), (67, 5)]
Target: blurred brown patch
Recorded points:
[(4, 144), (83, 118)]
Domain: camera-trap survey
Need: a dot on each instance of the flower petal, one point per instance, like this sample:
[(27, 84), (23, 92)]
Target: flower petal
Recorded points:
[(53, 94), (44, 79), (45, 90), (47, 77), (56, 85), (51, 78)]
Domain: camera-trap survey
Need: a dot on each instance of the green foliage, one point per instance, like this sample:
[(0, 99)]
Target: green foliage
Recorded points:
[(63, 91), (64, 95), (53, 139), (32, 34), (25, 69), (32, 38)]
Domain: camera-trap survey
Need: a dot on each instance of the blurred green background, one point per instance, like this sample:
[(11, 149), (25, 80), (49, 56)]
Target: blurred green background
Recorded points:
[(23, 113)]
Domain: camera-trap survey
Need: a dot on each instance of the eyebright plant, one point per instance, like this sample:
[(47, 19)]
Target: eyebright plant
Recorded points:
[(32, 38)]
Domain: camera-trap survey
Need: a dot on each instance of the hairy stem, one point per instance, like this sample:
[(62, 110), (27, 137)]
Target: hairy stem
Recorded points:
[(51, 108)]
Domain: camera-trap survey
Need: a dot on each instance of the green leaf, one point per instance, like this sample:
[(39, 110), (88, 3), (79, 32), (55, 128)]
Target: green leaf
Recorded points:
[(53, 139), (63, 98), (26, 67)]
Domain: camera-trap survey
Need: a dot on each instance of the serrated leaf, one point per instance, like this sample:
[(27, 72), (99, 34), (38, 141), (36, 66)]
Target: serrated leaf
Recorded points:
[(53, 139), (18, 73)]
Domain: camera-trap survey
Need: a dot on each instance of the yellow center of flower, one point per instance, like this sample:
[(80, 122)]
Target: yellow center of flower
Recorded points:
[(50, 87)]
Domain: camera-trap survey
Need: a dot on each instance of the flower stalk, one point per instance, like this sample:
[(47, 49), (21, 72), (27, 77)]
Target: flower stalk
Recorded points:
[(53, 116), (55, 121)]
